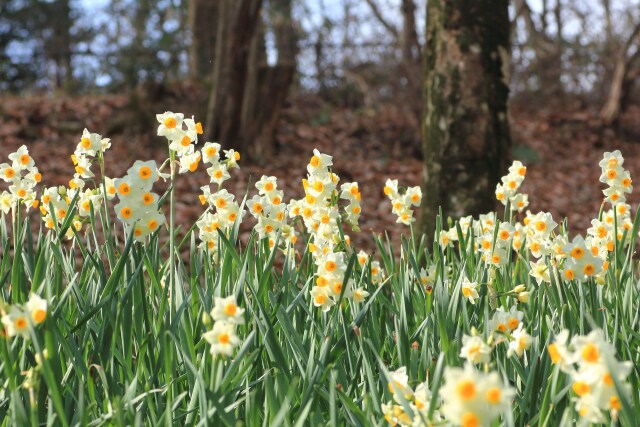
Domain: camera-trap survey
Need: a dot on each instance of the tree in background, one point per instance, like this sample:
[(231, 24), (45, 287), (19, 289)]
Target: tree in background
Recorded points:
[(466, 131), (37, 43), (246, 93), (202, 16)]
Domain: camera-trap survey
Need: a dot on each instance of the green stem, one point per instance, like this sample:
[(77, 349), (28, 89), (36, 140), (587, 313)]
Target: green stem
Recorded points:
[(172, 265), (106, 223)]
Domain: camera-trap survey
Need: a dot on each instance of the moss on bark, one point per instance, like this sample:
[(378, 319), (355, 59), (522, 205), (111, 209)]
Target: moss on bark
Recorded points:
[(466, 137)]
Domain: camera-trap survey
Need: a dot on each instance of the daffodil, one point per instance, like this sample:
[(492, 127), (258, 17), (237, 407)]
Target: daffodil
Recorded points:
[(222, 338)]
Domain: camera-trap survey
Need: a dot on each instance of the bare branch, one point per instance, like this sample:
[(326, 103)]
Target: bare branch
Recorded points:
[(386, 24)]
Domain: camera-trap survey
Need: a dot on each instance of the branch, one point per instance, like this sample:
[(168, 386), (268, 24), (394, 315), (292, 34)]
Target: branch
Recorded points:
[(386, 24)]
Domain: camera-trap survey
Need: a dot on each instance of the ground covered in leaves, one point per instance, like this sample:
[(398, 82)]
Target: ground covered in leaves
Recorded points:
[(560, 149)]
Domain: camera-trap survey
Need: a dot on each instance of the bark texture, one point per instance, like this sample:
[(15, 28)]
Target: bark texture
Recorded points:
[(247, 94), (466, 137), (202, 20), (237, 23)]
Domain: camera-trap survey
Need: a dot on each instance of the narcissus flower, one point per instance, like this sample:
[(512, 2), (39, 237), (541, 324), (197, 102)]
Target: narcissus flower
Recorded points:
[(521, 341), (222, 338), (227, 310), (469, 290), (37, 309), (475, 350), (471, 398), (16, 322)]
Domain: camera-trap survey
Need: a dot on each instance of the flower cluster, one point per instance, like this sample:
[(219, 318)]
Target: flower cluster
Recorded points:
[(507, 190), (22, 175), (591, 364), (222, 337), (581, 262), (472, 398), (616, 177), (401, 201), (418, 400), (18, 318), (268, 209), (376, 271), (54, 207), (182, 135), (475, 349), (320, 215), (503, 323), (223, 210), (495, 250), (90, 146), (538, 229), (138, 206), (349, 191)]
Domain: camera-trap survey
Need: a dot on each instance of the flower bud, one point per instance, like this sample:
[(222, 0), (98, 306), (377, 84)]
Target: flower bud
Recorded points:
[(519, 288), (523, 297)]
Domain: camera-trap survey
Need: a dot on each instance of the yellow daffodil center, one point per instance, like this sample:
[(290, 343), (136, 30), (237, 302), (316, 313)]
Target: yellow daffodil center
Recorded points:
[(494, 395), (466, 389), (39, 315), (170, 123), (469, 419), (124, 189), (230, 309), (144, 172), (607, 379), (581, 388), (590, 353), (614, 402), (577, 253), (554, 353), (20, 323)]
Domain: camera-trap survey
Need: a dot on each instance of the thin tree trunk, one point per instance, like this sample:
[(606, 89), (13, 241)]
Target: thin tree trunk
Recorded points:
[(268, 87), (203, 20), (610, 112)]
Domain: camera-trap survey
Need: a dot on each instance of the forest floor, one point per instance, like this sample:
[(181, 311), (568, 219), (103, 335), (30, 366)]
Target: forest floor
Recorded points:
[(560, 149)]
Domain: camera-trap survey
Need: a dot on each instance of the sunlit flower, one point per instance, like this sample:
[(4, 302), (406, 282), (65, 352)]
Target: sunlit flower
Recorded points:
[(475, 350), (222, 338), (227, 310), (469, 290)]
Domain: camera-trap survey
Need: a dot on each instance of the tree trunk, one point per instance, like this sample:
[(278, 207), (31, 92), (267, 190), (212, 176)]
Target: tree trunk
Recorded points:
[(247, 95), (202, 19), (620, 81), (610, 112), (466, 131), (236, 27)]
